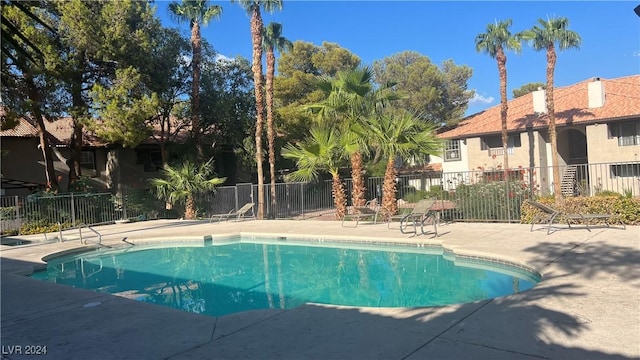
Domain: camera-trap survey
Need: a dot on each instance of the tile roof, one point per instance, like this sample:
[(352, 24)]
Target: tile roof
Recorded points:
[(23, 129), (62, 129), (622, 100)]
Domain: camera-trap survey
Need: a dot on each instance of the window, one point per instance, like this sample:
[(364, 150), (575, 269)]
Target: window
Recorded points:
[(628, 133), (452, 150), (88, 162), (625, 170), (495, 142)]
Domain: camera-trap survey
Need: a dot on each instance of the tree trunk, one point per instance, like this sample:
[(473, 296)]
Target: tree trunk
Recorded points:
[(271, 62), (389, 190), (555, 162), (358, 194), (50, 172), (502, 70), (256, 38), (339, 198), (190, 208), (79, 110), (195, 90)]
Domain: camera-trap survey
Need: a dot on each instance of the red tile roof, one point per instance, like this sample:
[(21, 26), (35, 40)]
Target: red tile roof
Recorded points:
[(62, 129), (622, 100)]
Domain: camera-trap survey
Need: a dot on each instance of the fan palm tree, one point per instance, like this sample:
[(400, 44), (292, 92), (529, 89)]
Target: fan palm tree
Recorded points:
[(551, 32), (196, 13), (494, 42), (400, 134), (350, 100), (182, 184), (321, 151), (272, 40), (253, 9)]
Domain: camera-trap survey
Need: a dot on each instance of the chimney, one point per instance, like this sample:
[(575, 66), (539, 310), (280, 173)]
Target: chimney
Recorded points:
[(596, 93), (539, 101)]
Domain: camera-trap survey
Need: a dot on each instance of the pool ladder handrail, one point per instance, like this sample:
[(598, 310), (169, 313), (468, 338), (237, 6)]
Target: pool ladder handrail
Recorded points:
[(82, 241)]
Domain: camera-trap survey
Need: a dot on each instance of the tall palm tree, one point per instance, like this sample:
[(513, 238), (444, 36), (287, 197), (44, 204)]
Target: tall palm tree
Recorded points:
[(321, 151), (350, 99), (551, 32), (400, 134), (197, 13), (272, 40), (182, 184), (494, 42), (253, 9)]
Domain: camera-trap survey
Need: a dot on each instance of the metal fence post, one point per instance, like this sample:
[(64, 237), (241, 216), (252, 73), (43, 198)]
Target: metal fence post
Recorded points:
[(302, 198), (17, 211), (73, 211)]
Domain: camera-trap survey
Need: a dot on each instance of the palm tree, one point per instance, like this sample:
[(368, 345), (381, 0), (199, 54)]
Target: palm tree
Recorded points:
[(350, 100), (253, 9), (494, 42), (546, 36), (400, 134), (197, 13), (182, 184), (272, 40), (321, 151)]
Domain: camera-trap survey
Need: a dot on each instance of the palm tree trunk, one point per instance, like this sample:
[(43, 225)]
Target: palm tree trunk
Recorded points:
[(389, 201), (555, 163), (256, 38), (339, 198), (195, 90), (358, 192), (502, 70), (190, 208), (271, 62)]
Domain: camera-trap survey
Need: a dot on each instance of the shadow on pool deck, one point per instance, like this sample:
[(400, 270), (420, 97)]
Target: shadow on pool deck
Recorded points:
[(578, 311)]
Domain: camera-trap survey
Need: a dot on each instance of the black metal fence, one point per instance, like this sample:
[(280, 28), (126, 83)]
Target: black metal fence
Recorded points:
[(480, 195)]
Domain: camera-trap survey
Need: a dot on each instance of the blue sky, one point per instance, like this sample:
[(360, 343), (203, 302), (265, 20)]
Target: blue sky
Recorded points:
[(373, 30)]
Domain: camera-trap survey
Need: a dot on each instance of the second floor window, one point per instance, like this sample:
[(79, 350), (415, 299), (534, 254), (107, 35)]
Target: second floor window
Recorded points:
[(628, 133), (452, 150)]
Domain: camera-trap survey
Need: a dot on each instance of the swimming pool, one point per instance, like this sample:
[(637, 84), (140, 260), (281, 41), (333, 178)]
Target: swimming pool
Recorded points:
[(234, 275)]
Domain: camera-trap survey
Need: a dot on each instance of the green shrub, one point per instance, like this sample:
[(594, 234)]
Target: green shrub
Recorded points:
[(41, 226)]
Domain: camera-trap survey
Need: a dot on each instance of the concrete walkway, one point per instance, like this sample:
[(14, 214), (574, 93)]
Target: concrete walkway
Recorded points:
[(586, 307)]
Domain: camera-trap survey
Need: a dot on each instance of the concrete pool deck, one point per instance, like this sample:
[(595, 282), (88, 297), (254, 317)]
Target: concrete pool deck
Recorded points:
[(586, 307)]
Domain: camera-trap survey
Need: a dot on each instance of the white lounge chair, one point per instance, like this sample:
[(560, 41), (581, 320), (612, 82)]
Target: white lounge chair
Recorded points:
[(233, 214)]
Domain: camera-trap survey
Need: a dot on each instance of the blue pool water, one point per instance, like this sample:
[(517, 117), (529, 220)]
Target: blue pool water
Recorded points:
[(219, 279)]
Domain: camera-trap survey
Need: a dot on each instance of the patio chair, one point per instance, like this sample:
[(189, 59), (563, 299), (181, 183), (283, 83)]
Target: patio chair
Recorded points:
[(418, 216), (549, 214), (233, 214), (362, 213)]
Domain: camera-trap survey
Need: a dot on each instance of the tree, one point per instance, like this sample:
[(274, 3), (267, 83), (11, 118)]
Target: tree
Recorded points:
[(167, 75), (29, 90), (551, 32), (183, 183), (124, 109), (253, 9), (494, 42), (350, 99), (96, 39), (197, 13), (228, 112), (295, 87), (272, 40), (400, 134), (321, 151), (528, 88), (437, 95)]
